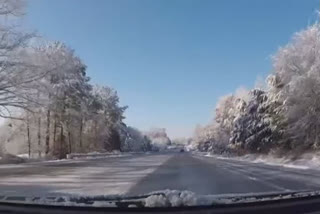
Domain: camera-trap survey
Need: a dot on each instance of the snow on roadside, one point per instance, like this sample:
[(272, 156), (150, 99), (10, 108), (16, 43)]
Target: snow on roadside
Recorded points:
[(97, 155), (23, 155), (305, 161)]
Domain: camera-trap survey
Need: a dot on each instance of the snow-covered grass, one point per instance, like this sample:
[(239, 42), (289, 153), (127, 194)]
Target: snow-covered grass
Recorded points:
[(305, 161), (24, 158), (23, 155), (32, 156), (95, 155)]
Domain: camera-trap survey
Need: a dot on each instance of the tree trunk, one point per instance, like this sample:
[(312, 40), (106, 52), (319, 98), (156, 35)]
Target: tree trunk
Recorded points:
[(55, 131), (28, 138), (95, 143), (80, 134), (39, 129), (39, 136), (61, 142), (48, 133), (316, 138), (70, 141), (69, 133)]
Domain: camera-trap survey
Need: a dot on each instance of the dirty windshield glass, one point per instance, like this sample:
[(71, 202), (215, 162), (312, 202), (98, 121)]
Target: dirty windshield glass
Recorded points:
[(162, 103)]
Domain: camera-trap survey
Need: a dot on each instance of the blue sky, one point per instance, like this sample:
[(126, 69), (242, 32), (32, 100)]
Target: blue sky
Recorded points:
[(171, 60)]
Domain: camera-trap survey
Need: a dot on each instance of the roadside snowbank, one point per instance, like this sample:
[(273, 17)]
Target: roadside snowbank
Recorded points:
[(96, 155), (24, 158), (11, 159), (23, 155), (305, 161)]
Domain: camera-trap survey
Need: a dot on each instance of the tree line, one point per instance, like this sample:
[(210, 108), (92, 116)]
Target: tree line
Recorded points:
[(50, 106), (283, 116)]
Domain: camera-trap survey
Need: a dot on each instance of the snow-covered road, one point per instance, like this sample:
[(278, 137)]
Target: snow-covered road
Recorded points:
[(88, 177), (139, 174)]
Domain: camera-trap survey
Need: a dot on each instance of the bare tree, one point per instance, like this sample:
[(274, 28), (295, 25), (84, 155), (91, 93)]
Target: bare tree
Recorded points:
[(16, 71)]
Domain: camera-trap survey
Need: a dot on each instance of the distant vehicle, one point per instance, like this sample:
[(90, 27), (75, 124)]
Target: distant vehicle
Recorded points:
[(181, 150)]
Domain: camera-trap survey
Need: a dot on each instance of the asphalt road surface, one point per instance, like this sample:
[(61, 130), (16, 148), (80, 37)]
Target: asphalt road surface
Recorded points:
[(140, 174)]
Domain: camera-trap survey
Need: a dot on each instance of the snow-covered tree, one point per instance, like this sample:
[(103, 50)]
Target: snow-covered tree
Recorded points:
[(159, 138), (253, 129), (295, 86), (182, 141), (106, 116), (284, 115), (16, 72), (133, 140), (68, 114), (47, 88)]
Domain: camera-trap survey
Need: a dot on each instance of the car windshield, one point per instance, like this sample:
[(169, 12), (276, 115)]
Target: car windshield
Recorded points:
[(160, 103)]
